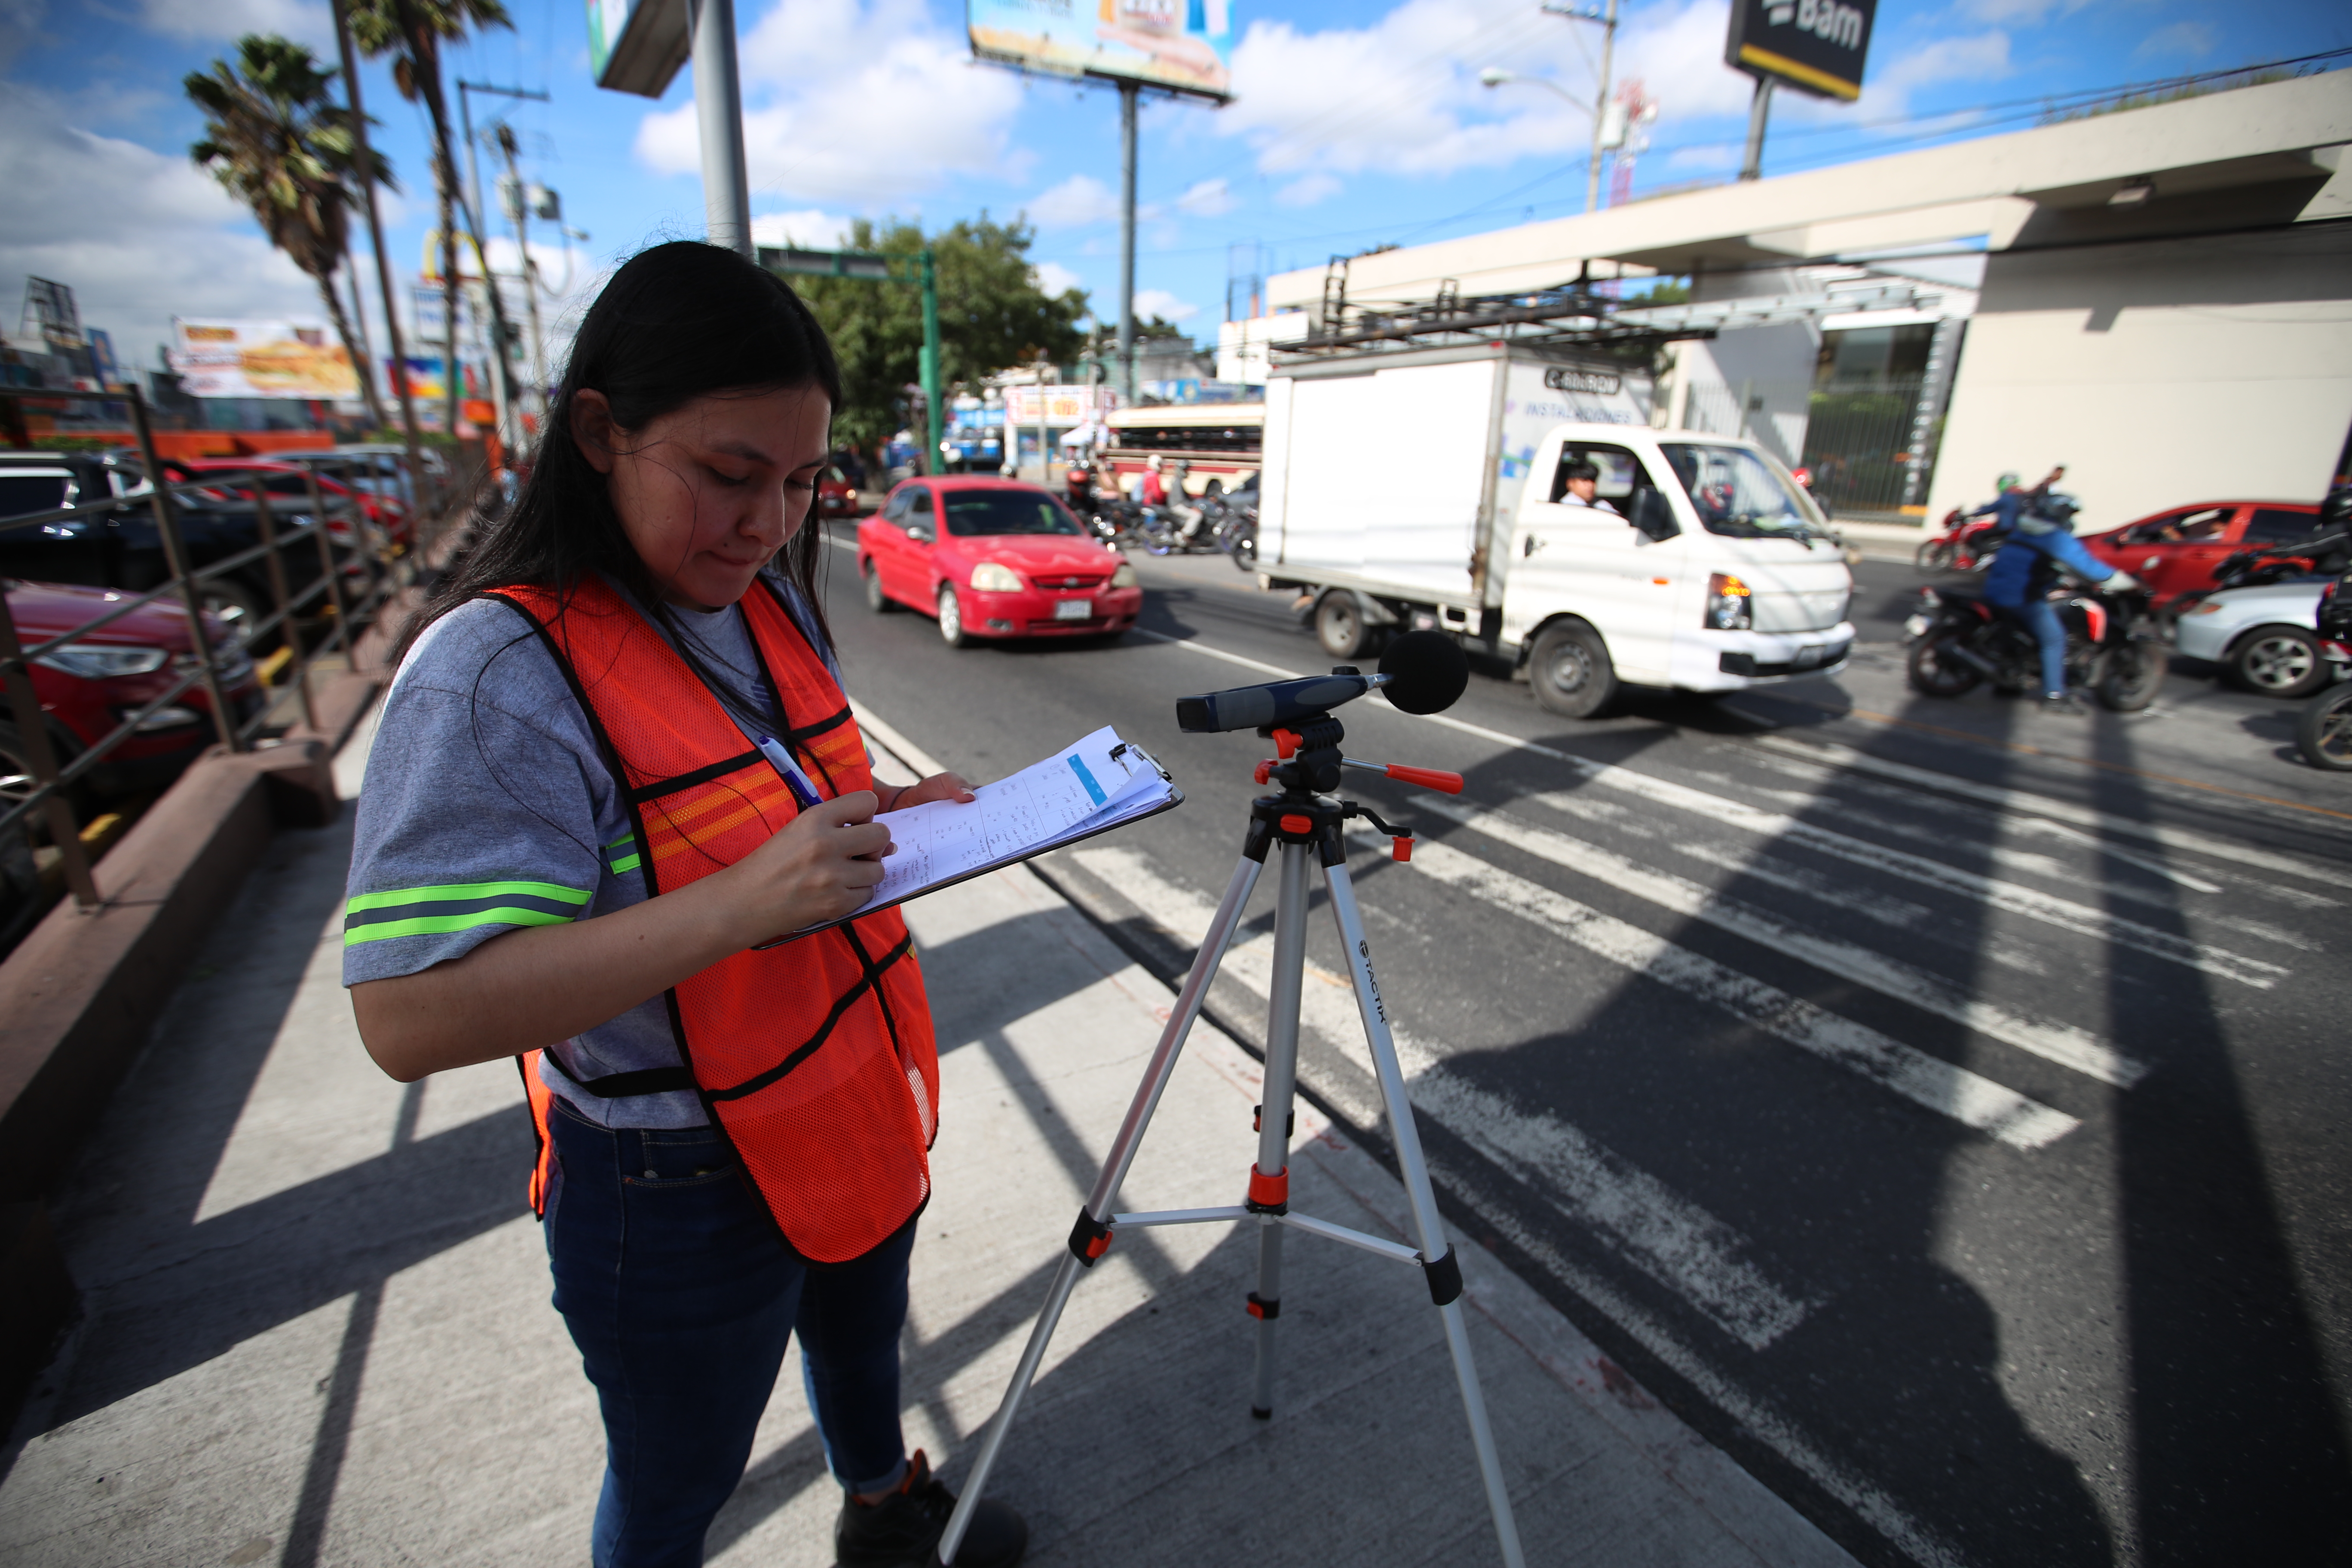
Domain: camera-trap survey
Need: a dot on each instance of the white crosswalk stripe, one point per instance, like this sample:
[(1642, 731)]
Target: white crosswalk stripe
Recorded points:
[(1674, 1241), (2061, 1043)]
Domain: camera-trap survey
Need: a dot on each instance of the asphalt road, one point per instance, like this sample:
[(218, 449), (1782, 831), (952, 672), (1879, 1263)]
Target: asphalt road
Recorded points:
[(1939, 1104)]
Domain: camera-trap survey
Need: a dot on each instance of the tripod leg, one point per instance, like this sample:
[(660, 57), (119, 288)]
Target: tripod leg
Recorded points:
[(1106, 1190), (1438, 1262), (1273, 1114)]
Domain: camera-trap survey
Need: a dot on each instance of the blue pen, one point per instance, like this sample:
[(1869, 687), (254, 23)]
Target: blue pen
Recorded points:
[(804, 793)]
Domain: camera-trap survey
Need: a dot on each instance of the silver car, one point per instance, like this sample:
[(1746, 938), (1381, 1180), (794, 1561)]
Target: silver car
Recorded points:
[(2265, 639)]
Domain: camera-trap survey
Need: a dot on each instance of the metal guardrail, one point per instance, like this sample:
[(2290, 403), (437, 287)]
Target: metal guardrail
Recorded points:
[(364, 553)]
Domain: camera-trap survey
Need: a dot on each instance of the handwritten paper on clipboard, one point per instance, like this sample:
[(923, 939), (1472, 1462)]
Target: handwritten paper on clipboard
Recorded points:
[(1101, 782)]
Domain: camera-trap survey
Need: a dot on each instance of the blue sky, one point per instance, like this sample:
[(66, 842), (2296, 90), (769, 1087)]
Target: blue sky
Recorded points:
[(1352, 125)]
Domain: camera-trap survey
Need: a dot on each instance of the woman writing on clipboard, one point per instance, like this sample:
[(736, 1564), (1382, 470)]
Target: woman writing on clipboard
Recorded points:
[(569, 845)]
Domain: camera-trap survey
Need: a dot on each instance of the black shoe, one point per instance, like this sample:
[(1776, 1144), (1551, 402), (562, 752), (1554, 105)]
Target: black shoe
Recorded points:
[(2065, 702), (903, 1530)]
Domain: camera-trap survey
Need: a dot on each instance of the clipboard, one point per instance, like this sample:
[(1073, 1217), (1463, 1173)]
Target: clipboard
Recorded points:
[(1077, 834)]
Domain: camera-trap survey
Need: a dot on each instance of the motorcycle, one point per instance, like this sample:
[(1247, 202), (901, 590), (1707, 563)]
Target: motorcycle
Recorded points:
[(1963, 546), (2323, 731), (2114, 649)]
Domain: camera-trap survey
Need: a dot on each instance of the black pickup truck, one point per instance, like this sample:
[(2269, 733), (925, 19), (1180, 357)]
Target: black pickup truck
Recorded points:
[(122, 548)]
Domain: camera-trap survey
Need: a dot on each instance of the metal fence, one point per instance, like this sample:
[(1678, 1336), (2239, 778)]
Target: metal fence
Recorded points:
[(1858, 444), (359, 567)]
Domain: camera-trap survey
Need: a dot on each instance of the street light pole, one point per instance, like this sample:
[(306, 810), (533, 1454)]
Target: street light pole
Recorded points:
[(1129, 92)]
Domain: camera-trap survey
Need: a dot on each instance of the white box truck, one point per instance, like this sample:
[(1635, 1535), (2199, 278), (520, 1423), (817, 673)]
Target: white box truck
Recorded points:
[(1440, 488)]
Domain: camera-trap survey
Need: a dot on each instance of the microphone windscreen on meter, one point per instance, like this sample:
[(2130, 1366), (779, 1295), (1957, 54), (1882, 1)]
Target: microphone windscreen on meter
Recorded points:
[(1424, 672), (1428, 672)]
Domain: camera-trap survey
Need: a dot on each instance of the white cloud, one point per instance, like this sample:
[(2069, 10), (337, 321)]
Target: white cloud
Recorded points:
[(814, 229), (2023, 13), (1307, 189), (1401, 95), (1980, 56), (208, 21), (1075, 203), (2195, 39), (1054, 277), (166, 241), (866, 103), (1160, 303), (1209, 198)]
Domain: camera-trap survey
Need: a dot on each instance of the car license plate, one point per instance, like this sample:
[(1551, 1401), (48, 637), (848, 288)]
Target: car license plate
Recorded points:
[(1073, 609), (1808, 656)]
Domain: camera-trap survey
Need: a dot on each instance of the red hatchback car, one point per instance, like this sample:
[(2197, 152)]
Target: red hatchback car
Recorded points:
[(289, 492), (2174, 551), (90, 686), (993, 558)]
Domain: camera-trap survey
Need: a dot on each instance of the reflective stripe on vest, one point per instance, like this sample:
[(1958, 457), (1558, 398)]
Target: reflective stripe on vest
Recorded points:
[(814, 1059)]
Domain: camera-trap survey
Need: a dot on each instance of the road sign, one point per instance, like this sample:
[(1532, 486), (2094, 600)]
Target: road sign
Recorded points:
[(1814, 46), (637, 46)]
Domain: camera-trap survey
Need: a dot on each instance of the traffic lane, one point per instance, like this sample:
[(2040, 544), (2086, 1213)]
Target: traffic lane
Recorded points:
[(2202, 732), (2034, 1264)]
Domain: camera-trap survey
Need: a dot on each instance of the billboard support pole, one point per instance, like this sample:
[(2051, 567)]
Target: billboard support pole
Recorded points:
[(1759, 110), (718, 113), (1129, 93), (934, 418), (1600, 106)]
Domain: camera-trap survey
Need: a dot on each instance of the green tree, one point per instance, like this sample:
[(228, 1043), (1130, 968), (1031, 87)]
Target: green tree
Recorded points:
[(281, 146), (411, 32), (992, 316)]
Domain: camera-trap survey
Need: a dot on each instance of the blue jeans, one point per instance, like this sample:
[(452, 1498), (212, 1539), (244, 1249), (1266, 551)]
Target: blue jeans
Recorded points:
[(681, 1297), (2040, 617)]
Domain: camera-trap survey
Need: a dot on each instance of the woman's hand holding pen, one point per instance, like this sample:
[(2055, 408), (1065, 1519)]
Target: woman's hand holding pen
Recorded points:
[(824, 865)]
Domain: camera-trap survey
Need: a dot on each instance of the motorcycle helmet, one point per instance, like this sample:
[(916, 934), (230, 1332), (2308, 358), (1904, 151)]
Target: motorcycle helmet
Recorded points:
[(2006, 483), (2053, 513)]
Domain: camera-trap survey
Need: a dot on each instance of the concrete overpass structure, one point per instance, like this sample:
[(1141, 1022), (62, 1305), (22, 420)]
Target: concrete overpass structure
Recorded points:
[(2165, 300)]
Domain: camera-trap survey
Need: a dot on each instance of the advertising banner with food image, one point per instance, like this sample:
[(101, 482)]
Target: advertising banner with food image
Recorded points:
[(260, 359), (1183, 45)]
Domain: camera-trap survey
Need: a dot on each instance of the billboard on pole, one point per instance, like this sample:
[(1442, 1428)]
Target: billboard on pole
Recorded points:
[(637, 46), (260, 359), (1814, 46), (1184, 46)]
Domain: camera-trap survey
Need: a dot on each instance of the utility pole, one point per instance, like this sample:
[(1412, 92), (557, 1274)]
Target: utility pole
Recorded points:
[(501, 390), (718, 115), (383, 270), (518, 210), (1600, 107), (1129, 93)]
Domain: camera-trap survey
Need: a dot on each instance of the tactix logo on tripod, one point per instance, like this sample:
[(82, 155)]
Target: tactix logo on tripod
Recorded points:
[(1422, 672)]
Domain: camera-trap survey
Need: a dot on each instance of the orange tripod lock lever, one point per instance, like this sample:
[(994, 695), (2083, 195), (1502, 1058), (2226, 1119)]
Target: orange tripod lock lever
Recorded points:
[(1427, 778)]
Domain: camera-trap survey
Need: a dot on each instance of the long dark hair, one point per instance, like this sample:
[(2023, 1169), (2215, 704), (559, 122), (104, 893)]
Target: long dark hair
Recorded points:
[(677, 322)]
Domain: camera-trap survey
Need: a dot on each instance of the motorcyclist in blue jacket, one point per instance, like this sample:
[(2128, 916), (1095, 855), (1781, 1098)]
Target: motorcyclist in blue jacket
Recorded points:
[(2010, 499), (2041, 542)]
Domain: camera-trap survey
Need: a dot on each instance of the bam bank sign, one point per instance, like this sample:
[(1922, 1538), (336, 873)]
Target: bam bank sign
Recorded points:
[(1814, 46)]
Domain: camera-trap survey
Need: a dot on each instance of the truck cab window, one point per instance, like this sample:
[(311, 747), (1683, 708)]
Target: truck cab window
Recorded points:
[(1620, 473)]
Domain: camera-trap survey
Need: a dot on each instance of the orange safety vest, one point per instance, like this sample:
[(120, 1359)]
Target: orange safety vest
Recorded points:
[(814, 1059)]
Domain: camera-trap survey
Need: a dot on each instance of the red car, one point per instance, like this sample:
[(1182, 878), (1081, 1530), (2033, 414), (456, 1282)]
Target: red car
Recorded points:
[(835, 496), (289, 491), (90, 686), (993, 558), (2174, 551)]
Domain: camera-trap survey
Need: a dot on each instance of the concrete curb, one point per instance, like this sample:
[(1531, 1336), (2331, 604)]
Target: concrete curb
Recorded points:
[(82, 991)]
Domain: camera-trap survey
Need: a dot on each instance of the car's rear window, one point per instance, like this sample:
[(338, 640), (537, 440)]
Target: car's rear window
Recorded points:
[(979, 513), (24, 494)]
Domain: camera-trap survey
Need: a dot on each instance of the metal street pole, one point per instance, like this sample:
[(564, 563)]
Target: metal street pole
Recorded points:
[(520, 213), (1600, 107), (1760, 110), (933, 415), (718, 113), (1129, 93), (416, 501)]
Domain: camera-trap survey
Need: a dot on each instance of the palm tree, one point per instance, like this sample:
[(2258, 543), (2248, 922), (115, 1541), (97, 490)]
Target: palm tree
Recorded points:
[(412, 33), (276, 140)]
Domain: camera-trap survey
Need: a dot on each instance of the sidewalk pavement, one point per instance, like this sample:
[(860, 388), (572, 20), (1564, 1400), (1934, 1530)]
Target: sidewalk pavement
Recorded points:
[(315, 1326)]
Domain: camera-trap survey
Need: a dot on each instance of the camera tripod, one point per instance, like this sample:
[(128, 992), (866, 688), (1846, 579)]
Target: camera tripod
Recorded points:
[(1304, 821)]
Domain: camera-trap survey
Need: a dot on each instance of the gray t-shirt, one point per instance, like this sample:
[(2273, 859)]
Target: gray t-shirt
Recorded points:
[(488, 807)]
